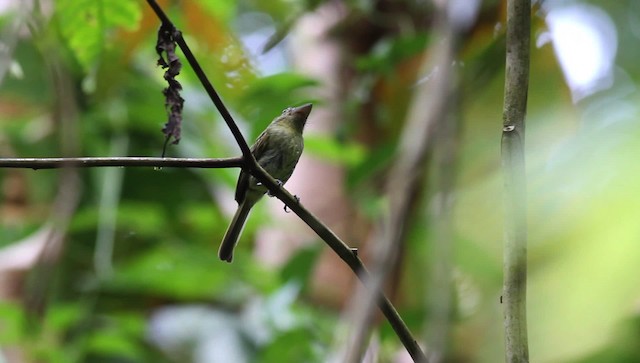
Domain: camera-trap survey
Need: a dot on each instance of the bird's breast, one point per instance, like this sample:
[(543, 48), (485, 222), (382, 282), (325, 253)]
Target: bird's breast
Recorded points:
[(283, 152)]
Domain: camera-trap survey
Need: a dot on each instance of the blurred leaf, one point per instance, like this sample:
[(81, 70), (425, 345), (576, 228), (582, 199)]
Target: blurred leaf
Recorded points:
[(202, 218), (143, 219), (293, 346), (389, 52), (12, 317), (374, 162), (482, 64), (279, 83), (118, 337), (477, 261), (300, 266), (27, 95), (267, 97), (49, 355), (278, 36), (329, 149), (223, 10), (623, 347), (63, 316), (220, 52), (182, 273), (189, 272), (86, 24), (279, 10)]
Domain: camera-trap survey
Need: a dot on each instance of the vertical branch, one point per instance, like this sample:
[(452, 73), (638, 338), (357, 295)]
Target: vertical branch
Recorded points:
[(428, 110), (440, 256), (513, 164), (39, 282), (110, 195)]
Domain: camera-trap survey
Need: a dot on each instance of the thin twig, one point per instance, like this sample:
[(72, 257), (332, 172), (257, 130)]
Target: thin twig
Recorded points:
[(54, 163), (513, 164), (110, 191), (40, 280)]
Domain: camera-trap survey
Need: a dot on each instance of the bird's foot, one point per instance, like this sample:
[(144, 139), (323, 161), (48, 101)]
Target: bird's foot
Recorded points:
[(297, 198), (279, 182)]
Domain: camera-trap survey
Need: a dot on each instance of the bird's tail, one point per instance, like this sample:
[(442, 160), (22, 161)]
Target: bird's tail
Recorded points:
[(232, 235)]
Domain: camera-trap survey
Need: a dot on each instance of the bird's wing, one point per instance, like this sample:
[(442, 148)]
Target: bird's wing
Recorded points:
[(258, 149), (260, 146), (242, 186)]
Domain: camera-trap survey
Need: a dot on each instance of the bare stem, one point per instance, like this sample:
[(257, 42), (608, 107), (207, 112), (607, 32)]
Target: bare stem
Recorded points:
[(513, 164)]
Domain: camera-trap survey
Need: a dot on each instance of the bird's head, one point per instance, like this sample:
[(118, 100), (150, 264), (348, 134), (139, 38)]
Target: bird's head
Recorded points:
[(295, 117)]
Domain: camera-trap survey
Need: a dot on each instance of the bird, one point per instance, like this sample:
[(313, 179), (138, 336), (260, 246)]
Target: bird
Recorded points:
[(277, 149)]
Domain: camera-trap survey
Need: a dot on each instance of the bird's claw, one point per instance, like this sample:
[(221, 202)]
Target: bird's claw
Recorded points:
[(279, 182), (297, 198)]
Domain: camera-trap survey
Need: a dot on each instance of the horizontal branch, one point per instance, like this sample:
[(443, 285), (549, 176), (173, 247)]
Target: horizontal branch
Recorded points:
[(53, 163)]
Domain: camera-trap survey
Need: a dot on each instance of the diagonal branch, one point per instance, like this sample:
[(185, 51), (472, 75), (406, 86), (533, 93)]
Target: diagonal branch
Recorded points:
[(343, 251), (349, 256), (211, 91)]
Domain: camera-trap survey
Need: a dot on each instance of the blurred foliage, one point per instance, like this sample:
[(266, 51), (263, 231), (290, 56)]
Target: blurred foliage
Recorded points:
[(583, 184), (85, 25)]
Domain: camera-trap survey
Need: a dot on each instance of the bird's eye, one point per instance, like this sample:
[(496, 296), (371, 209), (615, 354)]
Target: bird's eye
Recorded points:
[(287, 110)]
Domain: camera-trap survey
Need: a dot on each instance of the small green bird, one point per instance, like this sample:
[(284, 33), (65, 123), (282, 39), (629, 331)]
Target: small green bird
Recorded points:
[(277, 150)]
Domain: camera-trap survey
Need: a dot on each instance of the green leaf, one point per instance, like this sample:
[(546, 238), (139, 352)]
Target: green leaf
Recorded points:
[(374, 162), (87, 24), (113, 343), (301, 264), (268, 96), (281, 82), (143, 219), (12, 317), (119, 336), (330, 149), (389, 52), (223, 10), (293, 346), (64, 316), (188, 272)]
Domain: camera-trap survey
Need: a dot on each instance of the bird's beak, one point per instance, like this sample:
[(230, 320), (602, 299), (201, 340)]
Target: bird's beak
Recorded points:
[(303, 111)]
